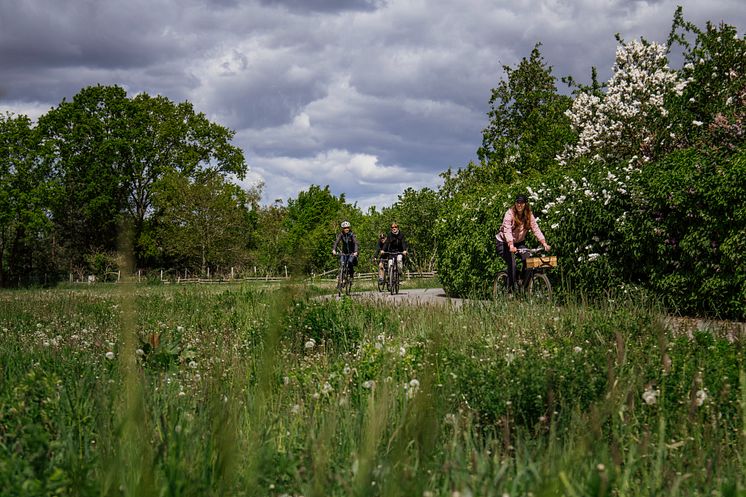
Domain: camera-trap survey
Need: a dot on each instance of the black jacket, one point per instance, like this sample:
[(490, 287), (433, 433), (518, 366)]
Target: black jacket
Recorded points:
[(395, 243), (347, 243)]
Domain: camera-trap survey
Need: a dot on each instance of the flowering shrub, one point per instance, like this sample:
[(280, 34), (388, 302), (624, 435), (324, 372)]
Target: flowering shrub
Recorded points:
[(651, 194)]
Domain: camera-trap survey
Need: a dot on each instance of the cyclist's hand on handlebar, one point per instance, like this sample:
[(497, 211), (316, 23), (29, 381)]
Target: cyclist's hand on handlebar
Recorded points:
[(513, 249), (404, 253), (334, 252), (354, 254), (547, 247)]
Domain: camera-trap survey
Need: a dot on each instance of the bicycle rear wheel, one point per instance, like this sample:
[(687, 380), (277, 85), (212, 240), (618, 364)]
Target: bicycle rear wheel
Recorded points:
[(392, 276), (348, 286), (540, 288), (500, 286), (382, 283)]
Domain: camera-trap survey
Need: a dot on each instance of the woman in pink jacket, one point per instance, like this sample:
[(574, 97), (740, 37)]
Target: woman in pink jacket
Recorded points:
[(517, 222)]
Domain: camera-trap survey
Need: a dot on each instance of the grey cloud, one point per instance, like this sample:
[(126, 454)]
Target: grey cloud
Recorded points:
[(324, 5)]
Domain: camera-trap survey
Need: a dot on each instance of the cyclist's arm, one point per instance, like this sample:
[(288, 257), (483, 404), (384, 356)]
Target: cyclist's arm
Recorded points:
[(336, 242), (537, 231), (507, 228)]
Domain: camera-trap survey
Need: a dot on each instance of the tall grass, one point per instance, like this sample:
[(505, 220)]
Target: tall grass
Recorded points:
[(249, 390)]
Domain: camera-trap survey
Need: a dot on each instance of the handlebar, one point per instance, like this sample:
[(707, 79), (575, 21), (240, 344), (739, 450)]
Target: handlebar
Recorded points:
[(529, 251)]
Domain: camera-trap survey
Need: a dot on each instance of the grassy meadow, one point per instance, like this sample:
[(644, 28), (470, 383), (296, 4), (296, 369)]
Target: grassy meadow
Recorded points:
[(261, 390)]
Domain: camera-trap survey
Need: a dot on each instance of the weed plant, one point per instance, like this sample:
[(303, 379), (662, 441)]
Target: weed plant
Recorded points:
[(250, 391)]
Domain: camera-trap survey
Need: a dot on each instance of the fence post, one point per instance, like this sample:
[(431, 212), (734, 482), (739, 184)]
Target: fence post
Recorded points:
[(254, 271), (286, 271), (161, 274), (119, 275), (208, 272), (232, 272), (138, 275)]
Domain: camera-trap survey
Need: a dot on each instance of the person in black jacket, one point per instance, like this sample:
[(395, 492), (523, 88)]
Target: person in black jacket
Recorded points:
[(348, 246), (395, 242)]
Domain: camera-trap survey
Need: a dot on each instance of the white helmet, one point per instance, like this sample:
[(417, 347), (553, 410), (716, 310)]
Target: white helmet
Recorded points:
[(345, 224)]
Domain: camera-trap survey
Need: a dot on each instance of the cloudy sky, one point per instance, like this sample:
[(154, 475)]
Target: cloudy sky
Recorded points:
[(367, 96)]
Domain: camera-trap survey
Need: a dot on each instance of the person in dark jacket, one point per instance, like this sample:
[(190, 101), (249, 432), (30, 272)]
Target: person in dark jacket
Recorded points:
[(395, 242), (348, 246)]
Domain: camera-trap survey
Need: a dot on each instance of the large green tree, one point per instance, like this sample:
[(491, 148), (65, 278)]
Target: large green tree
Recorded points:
[(203, 222), (109, 153), (527, 124), (84, 142), (23, 196)]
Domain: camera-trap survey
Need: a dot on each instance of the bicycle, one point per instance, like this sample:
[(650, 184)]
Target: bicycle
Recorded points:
[(383, 284), (536, 283), (344, 278), (393, 272)]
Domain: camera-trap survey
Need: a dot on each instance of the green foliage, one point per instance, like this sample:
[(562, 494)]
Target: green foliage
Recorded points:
[(690, 226), (23, 197), (492, 399), (311, 223), (416, 211), (527, 123), (202, 222)]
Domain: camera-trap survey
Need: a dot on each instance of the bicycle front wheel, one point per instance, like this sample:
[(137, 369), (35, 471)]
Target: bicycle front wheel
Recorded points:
[(348, 287), (540, 288), (500, 286), (340, 281)]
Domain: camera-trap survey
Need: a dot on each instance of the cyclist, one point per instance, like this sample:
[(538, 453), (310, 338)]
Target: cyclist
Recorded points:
[(348, 246), (380, 255), (517, 222), (395, 242)]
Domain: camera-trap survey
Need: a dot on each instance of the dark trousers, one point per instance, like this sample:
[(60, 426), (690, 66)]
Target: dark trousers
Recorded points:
[(351, 261), (509, 258)]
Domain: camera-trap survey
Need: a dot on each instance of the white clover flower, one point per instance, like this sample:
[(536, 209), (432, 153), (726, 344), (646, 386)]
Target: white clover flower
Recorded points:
[(295, 409), (347, 370), (697, 123), (311, 343), (650, 396), (593, 256), (192, 364), (326, 388), (369, 384), (182, 393), (700, 397), (577, 349), (110, 355), (180, 329), (140, 352)]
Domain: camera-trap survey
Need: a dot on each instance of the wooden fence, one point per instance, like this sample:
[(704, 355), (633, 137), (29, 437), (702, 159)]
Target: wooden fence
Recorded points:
[(174, 277)]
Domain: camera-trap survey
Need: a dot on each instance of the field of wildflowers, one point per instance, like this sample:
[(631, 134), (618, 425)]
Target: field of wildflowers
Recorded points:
[(257, 390)]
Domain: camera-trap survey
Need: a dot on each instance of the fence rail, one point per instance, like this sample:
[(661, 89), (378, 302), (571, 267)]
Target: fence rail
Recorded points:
[(172, 277)]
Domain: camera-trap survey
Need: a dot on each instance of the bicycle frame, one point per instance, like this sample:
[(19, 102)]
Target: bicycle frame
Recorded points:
[(533, 276)]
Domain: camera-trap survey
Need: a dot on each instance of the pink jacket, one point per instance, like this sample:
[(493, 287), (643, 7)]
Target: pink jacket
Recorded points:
[(511, 233)]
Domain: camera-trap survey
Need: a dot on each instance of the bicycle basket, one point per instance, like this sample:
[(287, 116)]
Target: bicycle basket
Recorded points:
[(542, 262)]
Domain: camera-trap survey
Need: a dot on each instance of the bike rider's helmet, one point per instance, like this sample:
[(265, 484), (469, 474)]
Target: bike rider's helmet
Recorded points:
[(345, 224)]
